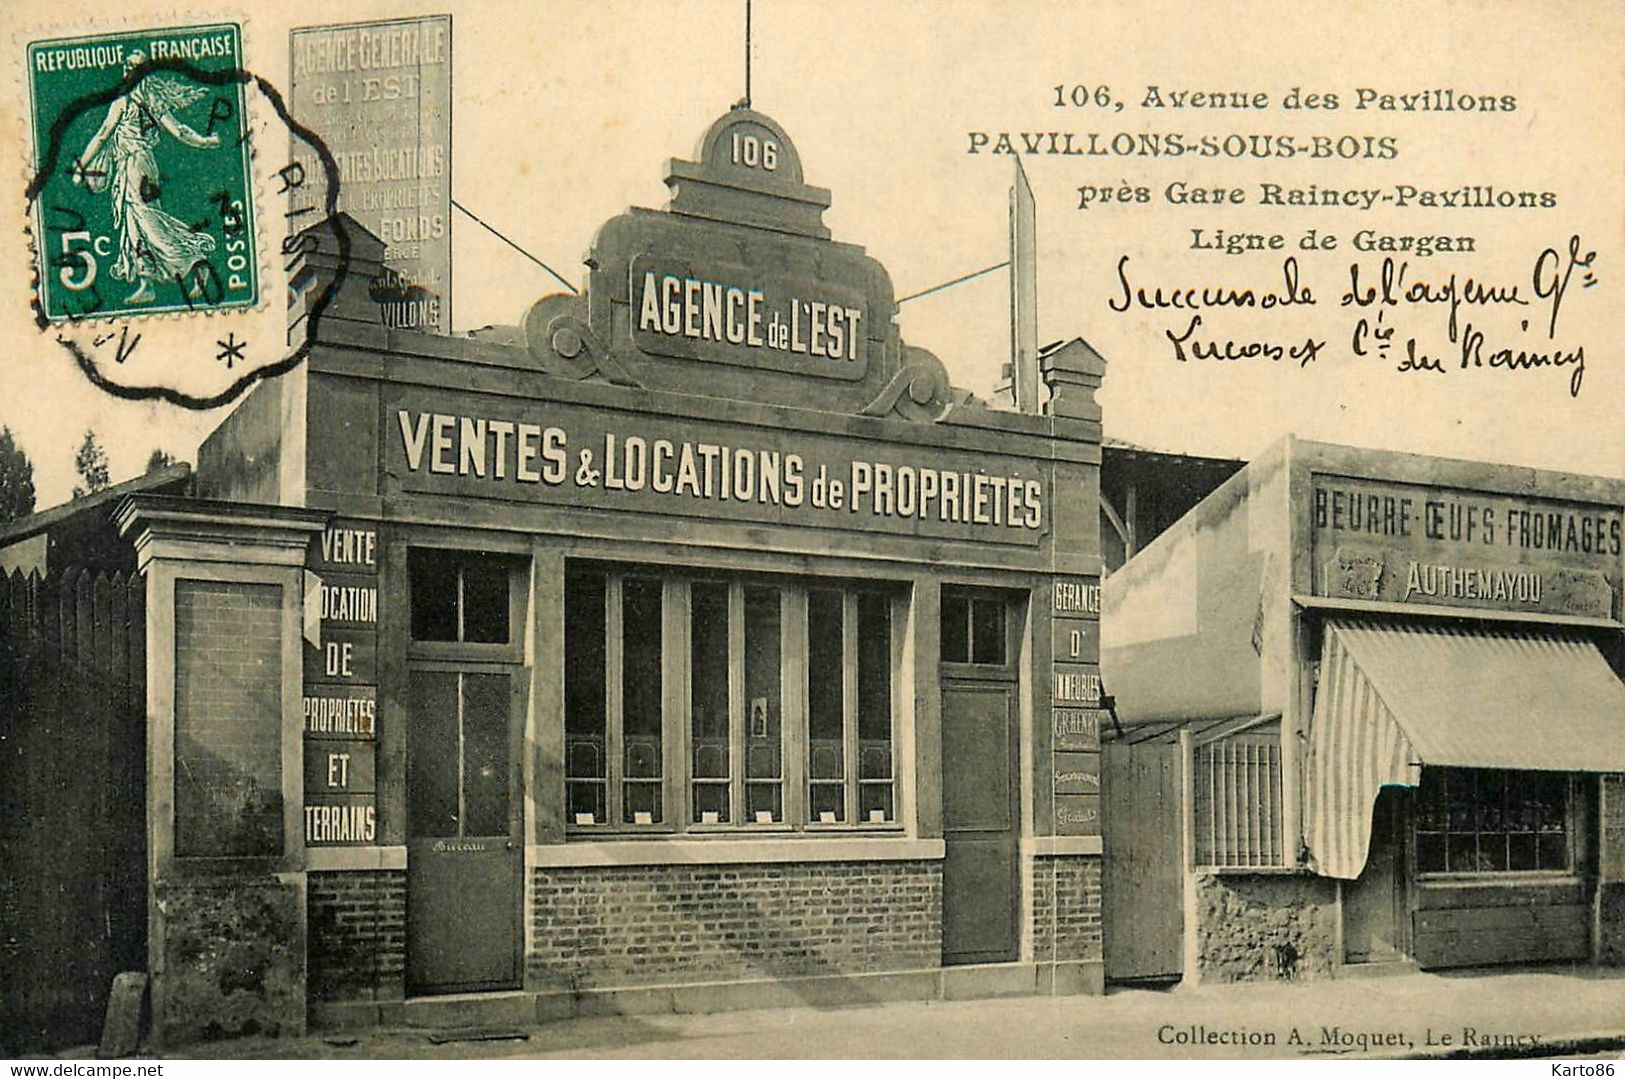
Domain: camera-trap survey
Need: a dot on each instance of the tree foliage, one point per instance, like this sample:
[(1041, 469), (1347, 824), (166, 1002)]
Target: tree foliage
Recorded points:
[(16, 479), (160, 459), (91, 464)]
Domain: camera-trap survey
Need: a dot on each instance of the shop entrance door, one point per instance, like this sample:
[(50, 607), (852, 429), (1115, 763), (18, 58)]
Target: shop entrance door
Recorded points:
[(1374, 906), (464, 854), (981, 887)]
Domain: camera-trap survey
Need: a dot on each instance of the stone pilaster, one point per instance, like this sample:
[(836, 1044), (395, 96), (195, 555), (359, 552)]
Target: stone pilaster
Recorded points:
[(226, 857)]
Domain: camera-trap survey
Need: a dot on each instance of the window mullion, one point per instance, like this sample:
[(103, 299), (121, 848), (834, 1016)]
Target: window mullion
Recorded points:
[(736, 703), (613, 660), (675, 701), (896, 656), (462, 763), (793, 731), (849, 702)]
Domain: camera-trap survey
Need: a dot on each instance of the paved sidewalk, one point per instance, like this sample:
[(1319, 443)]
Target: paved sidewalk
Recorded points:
[(1415, 1014)]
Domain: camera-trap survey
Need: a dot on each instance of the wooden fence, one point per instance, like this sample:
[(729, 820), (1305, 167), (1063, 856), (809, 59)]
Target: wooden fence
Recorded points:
[(73, 888)]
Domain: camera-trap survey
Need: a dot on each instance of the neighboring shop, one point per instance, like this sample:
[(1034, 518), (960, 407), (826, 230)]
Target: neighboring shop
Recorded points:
[(693, 645), (1397, 727)]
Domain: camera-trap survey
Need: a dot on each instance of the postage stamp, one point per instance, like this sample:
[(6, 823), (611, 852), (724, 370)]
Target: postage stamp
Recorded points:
[(143, 190)]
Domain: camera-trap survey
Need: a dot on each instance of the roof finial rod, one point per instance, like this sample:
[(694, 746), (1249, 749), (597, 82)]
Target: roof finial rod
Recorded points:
[(746, 101)]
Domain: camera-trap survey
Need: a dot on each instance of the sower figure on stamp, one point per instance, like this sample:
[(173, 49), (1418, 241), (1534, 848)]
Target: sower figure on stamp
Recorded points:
[(153, 245)]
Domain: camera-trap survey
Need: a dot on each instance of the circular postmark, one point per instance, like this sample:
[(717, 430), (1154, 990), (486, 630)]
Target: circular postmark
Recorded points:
[(159, 167)]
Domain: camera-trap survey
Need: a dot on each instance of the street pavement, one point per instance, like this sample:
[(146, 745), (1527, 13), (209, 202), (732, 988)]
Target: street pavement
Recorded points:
[(1560, 1011)]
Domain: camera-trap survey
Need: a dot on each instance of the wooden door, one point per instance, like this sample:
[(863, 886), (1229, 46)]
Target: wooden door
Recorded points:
[(981, 884), (464, 855), (1374, 914), (1142, 908)]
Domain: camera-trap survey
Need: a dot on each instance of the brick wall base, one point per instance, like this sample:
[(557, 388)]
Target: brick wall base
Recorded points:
[(642, 925), (1066, 908), (1265, 927), (357, 935)]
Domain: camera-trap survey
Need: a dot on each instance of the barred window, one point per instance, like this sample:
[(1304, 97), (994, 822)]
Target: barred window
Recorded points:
[(1238, 801), (1480, 820)]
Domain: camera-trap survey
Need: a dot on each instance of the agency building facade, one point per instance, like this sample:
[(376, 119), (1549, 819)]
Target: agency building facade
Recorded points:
[(694, 645), (1397, 729)]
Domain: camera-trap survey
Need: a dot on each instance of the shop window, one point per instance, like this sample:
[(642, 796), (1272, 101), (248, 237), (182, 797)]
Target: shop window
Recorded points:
[(586, 762), (642, 722), (975, 629), (757, 755), (460, 596), (1237, 795), (764, 750), (849, 708), (1477, 820), (826, 707), (614, 700), (710, 732), (876, 784)]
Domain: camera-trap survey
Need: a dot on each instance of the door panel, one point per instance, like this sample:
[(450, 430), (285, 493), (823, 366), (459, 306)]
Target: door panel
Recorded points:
[(980, 873), (1373, 906), (1143, 901), (464, 858)]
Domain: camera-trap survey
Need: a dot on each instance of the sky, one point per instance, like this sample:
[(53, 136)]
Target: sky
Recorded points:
[(565, 113)]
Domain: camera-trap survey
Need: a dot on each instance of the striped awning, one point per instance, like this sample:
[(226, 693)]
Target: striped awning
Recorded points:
[(1392, 697)]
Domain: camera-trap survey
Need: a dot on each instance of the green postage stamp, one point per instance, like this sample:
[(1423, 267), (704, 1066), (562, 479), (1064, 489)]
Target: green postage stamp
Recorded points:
[(143, 191)]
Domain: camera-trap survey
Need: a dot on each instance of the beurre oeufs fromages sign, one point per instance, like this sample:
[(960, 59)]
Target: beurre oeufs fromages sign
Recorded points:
[(1409, 543)]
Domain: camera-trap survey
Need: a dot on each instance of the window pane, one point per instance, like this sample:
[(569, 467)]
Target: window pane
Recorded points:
[(1430, 805), (585, 761), (763, 720), (1492, 802), (434, 594), (874, 669), (585, 803), (828, 803), (708, 700), (1497, 821), (1463, 852), (485, 600), (875, 802), (711, 803), (955, 629), (485, 754), (874, 709), (1551, 795), (987, 631), (1521, 851), (825, 689), (641, 713), (1430, 852), (1554, 851), (642, 802), (431, 754)]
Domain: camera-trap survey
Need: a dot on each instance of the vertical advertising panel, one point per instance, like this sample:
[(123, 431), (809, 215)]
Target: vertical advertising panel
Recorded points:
[(341, 686), (1077, 704), (378, 95)]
